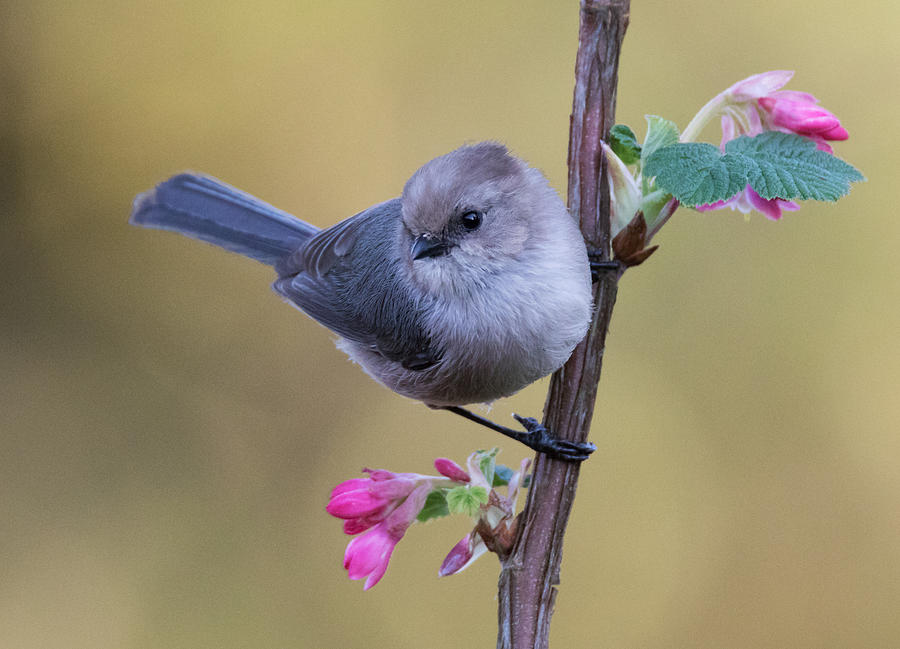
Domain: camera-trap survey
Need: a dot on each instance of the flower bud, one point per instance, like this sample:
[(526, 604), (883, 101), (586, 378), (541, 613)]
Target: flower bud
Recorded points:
[(450, 469)]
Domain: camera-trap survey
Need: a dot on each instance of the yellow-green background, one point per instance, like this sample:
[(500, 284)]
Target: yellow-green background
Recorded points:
[(170, 429)]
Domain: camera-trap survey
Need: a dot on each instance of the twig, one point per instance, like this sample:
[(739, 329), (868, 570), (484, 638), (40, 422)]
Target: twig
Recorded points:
[(529, 575)]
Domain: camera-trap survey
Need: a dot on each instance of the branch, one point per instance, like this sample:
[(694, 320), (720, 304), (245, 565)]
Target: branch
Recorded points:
[(529, 575)]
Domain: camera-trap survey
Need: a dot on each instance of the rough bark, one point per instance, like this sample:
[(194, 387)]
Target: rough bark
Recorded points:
[(529, 576)]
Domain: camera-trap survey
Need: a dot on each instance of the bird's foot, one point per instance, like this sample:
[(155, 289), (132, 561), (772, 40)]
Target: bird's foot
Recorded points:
[(535, 436), (600, 266), (538, 438)]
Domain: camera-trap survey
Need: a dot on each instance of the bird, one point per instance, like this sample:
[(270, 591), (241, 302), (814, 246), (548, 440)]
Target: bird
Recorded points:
[(472, 284)]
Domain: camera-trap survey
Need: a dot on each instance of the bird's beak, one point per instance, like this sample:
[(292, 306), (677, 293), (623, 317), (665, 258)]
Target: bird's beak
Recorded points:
[(428, 245)]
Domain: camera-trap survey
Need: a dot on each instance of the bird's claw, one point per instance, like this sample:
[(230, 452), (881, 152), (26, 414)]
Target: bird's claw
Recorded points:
[(535, 436), (602, 266), (539, 439)]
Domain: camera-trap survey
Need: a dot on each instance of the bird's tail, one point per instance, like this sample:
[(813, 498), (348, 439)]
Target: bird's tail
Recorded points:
[(205, 208)]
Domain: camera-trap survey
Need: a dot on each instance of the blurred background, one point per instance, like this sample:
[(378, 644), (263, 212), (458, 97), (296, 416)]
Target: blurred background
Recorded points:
[(170, 430)]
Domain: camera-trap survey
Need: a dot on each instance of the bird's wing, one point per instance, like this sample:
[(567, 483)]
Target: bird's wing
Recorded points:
[(318, 299), (361, 296), (322, 252)]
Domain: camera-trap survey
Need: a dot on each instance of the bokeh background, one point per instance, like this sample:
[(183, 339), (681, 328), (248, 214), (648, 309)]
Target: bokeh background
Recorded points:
[(170, 430)]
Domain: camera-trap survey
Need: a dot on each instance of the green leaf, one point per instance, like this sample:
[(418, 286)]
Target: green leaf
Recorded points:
[(624, 144), (466, 500), (486, 462), (502, 475), (697, 173), (774, 164), (788, 166), (660, 133), (435, 506)]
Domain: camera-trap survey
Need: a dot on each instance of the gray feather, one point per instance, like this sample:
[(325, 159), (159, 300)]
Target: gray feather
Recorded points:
[(204, 208), (350, 278)]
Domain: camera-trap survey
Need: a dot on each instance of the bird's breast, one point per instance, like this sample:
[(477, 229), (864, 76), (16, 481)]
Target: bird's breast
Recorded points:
[(495, 342)]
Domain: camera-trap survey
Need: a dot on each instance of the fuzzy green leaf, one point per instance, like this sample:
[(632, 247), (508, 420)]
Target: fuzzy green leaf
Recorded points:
[(624, 144), (696, 173), (466, 500), (435, 506), (774, 164), (788, 166)]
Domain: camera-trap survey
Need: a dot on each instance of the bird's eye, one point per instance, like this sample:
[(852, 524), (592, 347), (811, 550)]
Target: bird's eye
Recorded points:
[(471, 220)]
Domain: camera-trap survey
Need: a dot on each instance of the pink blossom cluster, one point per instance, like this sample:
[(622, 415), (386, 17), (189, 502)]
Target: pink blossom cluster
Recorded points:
[(383, 505), (758, 104)]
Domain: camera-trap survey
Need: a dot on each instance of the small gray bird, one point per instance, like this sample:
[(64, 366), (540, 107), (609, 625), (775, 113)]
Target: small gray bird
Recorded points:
[(470, 286)]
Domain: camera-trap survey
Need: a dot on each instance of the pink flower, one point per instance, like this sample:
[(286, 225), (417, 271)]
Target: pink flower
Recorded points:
[(798, 112), (450, 469), (740, 120), (353, 499), (748, 200), (365, 498), (385, 504), (367, 556), (758, 85), (382, 506), (469, 548), (757, 104)]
